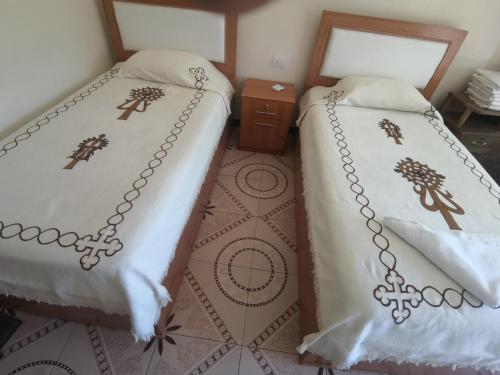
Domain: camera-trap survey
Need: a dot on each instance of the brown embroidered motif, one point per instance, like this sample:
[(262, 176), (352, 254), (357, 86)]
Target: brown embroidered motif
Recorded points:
[(139, 100), (428, 182), (86, 149), (392, 130)]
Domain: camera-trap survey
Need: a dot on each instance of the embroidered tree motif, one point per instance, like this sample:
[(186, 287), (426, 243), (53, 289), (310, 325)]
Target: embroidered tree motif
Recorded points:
[(86, 149), (392, 130), (398, 295), (139, 100), (427, 183), (166, 337)]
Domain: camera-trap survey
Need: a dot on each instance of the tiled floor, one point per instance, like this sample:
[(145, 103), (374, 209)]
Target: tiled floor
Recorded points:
[(237, 311)]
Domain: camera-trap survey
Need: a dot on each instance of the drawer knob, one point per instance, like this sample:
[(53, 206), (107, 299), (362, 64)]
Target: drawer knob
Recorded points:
[(265, 113)]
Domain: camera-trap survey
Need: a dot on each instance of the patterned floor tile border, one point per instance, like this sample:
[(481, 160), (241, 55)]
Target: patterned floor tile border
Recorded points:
[(31, 338), (268, 219), (209, 308), (246, 216), (267, 334), (101, 356)]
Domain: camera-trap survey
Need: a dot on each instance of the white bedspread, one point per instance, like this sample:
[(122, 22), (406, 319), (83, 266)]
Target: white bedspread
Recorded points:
[(471, 259), (103, 233), (379, 298)]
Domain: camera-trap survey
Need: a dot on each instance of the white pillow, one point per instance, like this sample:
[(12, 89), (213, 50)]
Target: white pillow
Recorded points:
[(177, 67), (382, 93)]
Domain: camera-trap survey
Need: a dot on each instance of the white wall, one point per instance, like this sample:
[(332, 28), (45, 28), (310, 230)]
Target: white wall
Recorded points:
[(288, 28), (48, 49)]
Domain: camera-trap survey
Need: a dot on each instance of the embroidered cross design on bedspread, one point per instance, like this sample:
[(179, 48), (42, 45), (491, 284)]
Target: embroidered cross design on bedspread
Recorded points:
[(391, 129), (398, 295), (94, 245), (427, 182)]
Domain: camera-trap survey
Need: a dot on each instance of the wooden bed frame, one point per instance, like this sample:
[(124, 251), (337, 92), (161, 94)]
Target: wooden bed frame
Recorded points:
[(228, 67), (452, 37), (308, 314), (173, 279)]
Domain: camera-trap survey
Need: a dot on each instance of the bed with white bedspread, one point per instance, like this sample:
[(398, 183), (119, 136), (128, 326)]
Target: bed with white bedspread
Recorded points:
[(378, 298), (95, 193)]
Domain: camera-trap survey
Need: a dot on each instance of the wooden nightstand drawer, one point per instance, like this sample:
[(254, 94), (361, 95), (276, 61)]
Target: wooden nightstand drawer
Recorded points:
[(264, 109), (262, 133)]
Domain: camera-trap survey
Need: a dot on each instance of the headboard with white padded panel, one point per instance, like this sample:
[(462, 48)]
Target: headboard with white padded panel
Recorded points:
[(188, 25), (349, 44)]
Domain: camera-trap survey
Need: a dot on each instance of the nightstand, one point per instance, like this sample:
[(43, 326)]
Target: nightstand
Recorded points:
[(477, 128), (265, 116)]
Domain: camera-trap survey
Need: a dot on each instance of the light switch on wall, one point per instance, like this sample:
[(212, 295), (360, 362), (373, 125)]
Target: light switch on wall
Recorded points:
[(279, 62)]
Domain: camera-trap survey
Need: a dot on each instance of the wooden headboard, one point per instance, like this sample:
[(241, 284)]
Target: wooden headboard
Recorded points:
[(349, 44), (184, 20)]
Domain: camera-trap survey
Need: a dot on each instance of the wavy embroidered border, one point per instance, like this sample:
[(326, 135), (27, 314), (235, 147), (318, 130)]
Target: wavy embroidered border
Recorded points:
[(431, 117)]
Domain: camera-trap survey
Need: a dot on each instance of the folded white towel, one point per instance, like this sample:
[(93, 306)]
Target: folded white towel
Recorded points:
[(480, 96), (486, 84), (471, 259), (487, 94), (480, 102), (491, 76)]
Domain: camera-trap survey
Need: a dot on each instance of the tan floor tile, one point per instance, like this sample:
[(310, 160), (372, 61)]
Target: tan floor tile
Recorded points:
[(227, 242), (234, 159), (189, 355), (255, 362), (226, 289), (235, 188), (271, 296), (275, 189), (126, 356), (225, 198), (275, 246), (81, 350), (38, 352), (195, 315), (30, 323)]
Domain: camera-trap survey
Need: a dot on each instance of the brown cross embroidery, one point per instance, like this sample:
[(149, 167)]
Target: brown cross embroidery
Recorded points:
[(86, 149), (94, 245), (144, 96), (427, 182), (392, 130), (399, 295)]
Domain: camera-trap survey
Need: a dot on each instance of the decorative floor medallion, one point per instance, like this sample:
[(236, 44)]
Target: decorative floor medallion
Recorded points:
[(276, 279), (261, 181)]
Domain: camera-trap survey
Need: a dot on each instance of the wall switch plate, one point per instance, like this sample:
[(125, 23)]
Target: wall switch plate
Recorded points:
[(279, 62)]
